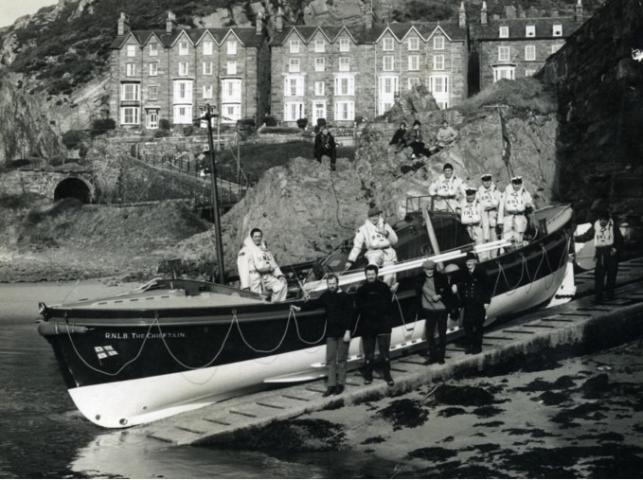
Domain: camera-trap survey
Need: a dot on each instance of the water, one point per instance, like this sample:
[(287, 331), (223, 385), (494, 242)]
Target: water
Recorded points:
[(44, 436)]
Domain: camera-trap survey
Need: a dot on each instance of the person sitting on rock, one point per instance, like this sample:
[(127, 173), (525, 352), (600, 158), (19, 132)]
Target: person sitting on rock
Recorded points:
[(515, 205), (415, 141), (399, 137), (258, 270), (446, 136), (325, 146), (447, 191)]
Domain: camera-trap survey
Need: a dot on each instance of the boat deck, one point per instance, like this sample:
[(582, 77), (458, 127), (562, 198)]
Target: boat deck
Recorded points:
[(575, 323)]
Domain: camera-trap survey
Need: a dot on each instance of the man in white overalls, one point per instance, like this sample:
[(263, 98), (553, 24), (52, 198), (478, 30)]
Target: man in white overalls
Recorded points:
[(447, 191), (489, 197), (472, 215), (379, 238), (514, 206), (258, 269)]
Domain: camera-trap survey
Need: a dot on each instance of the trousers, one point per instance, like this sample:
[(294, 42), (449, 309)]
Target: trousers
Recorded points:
[(336, 355), (514, 227), (605, 272), (473, 323), (384, 345), (267, 283), (436, 319)]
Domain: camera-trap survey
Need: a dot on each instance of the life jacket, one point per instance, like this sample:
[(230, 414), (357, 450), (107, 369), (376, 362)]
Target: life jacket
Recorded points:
[(489, 198), (603, 236), (260, 259), (373, 236), (470, 213), (515, 201), (444, 187)]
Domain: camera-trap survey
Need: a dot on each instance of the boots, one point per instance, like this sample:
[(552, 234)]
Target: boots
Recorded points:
[(386, 373), (368, 372)]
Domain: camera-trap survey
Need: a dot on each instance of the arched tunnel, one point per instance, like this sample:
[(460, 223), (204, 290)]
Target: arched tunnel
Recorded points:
[(72, 188)]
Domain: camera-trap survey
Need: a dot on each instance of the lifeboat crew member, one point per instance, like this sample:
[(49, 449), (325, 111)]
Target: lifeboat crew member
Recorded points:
[(446, 191), (489, 197), (608, 241), (258, 270), (471, 216), (515, 204), (379, 238)]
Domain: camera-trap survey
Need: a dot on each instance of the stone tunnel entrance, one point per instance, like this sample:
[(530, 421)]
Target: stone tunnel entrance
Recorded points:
[(72, 188)]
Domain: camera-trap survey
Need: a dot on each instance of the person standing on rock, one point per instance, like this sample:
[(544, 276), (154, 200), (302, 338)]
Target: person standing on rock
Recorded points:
[(379, 238), (258, 269), (374, 307), (489, 197), (608, 242), (399, 137), (325, 146), (475, 296), (447, 191), (516, 203), (472, 217)]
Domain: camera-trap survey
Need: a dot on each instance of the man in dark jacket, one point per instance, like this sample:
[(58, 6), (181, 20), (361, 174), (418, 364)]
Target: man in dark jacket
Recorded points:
[(325, 145), (608, 241), (373, 302), (473, 288), (399, 137)]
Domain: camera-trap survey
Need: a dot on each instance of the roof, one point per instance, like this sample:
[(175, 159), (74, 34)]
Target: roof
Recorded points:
[(543, 25), (247, 35)]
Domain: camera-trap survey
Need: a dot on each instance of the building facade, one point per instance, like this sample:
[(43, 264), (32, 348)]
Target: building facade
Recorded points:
[(514, 47), (173, 74), (341, 72)]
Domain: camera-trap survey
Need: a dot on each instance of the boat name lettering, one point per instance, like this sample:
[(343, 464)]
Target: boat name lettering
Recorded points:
[(141, 336)]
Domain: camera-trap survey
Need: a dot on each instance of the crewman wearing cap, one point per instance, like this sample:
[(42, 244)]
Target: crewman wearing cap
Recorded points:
[(447, 191), (473, 288), (489, 197), (378, 238), (515, 204), (472, 216)]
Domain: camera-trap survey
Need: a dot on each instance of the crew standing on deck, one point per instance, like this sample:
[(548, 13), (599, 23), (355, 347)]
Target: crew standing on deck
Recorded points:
[(489, 197), (258, 269), (472, 217), (516, 203), (608, 241), (447, 190), (475, 296), (379, 238), (373, 304)]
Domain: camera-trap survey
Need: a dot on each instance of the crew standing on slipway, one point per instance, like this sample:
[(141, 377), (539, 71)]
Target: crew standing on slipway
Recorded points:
[(472, 217), (489, 197), (472, 286), (379, 238), (258, 269), (608, 241), (435, 297), (447, 191), (515, 204)]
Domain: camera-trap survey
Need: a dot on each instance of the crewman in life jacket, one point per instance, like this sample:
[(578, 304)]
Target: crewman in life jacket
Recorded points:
[(258, 270), (378, 238), (447, 191), (515, 204), (472, 216), (489, 197), (608, 241)]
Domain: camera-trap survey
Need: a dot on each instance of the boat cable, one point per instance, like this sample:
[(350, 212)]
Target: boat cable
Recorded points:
[(259, 350), (314, 342)]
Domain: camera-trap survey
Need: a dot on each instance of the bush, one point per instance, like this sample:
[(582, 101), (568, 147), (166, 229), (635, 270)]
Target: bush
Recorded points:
[(302, 123), (188, 131), (270, 121), (160, 133), (73, 138), (102, 125), (164, 124)]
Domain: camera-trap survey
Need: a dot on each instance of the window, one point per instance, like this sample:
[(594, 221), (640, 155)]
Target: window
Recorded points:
[(130, 92), (231, 90), (231, 47), (508, 73), (320, 64), (320, 45), (503, 54), (344, 64), (182, 91), (153, 92), (529, 72), (556, 47), (294, 86), (414, 62), (293, 65), (131, 50), (183, 47), (412, 82), (389, 85), (183, 114), (207, 91), (388, 63), (388, 45), (344, 85), (319, 111), (153, 118), (154, 69), (503, 32), (438, 42), (344, 45), (294, 45), (130, 115), (153, 49), (207, 68), (320, 88), (293, 111), (530, 53), (130, 70), (557, 30), (231, 67), (230, 113), (414, 43), (184, 68), (344, 111), (207, 47), (530, 31), (438, 62), (438, 84)]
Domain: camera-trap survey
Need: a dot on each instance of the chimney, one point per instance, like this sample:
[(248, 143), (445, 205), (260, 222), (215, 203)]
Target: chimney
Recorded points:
[(370, 18), (510, 11), (279, 19), (578, 11), (170, 22), (259, 23), (123, 24), (483, 13), (462, 16)]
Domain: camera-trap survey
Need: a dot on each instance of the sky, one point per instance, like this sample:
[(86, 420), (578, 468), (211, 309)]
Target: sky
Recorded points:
[(12, 9)]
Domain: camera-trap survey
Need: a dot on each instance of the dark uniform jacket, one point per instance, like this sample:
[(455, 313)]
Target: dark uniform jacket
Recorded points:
[(473, 288), (338, 307), (374, 305), (325, 145)]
